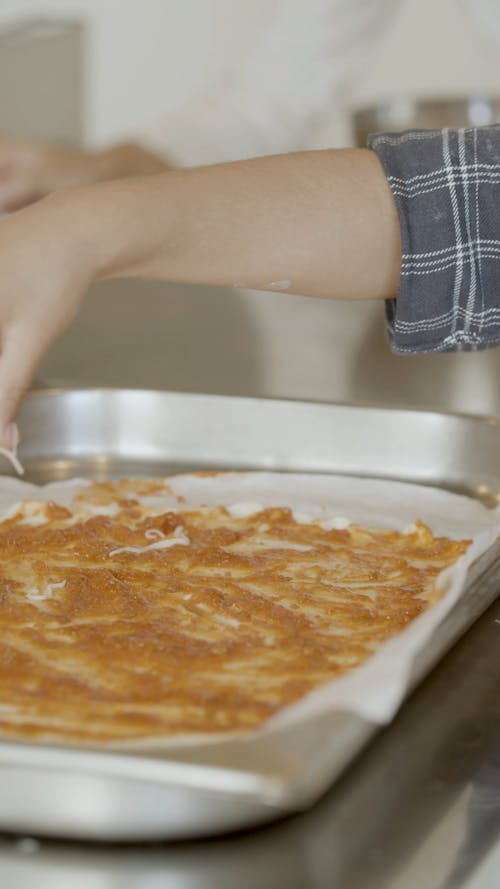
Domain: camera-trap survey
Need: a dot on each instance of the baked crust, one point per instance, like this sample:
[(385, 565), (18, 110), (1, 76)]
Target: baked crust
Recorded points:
[(120, 621)]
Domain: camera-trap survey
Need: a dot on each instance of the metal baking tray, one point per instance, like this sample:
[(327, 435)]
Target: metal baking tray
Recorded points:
[(102, 795)]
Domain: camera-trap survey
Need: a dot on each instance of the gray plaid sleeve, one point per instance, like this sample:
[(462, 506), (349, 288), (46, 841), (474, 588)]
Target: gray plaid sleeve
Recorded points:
[(446, 185)]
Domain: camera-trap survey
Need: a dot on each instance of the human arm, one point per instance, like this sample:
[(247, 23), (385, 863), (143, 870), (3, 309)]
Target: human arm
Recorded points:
[(421, 220), (320, 223)]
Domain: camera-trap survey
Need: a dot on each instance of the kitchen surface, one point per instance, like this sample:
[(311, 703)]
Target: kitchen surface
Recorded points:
[(420, 805)]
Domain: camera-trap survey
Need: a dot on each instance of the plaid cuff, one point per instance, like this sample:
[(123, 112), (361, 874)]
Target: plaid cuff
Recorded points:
[(446, 185)]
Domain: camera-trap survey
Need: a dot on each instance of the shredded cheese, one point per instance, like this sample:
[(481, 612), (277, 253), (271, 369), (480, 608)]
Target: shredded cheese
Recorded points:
[(35, 595), (154, 534), (178, 539), (243, 510)]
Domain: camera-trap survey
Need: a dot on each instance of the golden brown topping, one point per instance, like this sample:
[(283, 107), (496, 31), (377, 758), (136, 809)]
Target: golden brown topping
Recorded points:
[(135, 622)]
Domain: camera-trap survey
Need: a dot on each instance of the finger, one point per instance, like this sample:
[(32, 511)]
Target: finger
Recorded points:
[(21, 353)]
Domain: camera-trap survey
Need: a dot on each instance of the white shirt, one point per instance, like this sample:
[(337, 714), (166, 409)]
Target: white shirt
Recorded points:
[(287, 82)]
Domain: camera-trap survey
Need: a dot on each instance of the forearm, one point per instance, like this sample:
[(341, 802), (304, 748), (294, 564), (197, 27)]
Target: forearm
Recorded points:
[(320, 224)]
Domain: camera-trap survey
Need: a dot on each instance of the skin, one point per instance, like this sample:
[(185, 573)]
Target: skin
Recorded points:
[(30, 170), (321, 224)]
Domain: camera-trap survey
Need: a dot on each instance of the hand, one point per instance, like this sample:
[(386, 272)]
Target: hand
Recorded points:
[(30, 170), (45, 267)]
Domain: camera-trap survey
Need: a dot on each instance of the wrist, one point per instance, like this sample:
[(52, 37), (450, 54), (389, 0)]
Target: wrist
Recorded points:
[(78, 230), (112, 229)]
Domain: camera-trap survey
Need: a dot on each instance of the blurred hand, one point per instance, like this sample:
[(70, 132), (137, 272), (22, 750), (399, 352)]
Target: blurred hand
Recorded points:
[(30, 170)]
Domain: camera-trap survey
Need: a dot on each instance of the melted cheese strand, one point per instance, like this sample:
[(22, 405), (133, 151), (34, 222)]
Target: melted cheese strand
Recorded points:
[(154, 534), (11, 455), (36, 595), (178, 539)]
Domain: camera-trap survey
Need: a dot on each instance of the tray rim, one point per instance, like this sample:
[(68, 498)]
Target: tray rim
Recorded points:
[(53, 391)]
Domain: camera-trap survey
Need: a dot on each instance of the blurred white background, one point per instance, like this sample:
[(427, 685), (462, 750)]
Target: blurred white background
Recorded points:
[(145, 57)]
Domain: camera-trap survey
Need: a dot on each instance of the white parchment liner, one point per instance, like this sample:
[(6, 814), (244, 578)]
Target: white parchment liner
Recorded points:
[(374, 690)]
